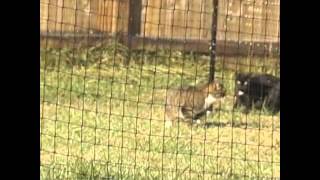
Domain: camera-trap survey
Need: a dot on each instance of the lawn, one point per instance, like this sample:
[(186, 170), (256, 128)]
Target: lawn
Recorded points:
[(103, 120)]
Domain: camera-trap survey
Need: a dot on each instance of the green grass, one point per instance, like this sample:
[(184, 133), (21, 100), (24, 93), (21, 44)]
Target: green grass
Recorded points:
[(106, 121)]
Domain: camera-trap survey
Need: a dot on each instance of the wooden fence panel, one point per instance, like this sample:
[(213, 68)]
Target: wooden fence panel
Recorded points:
[(186, 21)]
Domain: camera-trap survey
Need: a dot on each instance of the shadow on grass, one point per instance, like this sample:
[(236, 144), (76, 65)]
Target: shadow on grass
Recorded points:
[(222, 124)]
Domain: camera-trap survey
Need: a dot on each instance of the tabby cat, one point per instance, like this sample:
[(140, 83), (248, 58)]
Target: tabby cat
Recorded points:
[(190, 103)]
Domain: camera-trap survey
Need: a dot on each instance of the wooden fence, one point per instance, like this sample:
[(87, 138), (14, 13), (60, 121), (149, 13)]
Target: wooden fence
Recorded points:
[(180, 24)]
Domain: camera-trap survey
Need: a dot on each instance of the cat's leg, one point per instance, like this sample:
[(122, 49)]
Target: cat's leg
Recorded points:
[(236, 102), (196, 121), (168, 122), (210, 110), (247, 102)]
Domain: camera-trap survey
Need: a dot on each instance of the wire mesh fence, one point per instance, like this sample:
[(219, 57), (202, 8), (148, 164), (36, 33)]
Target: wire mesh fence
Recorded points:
[(168, 89)]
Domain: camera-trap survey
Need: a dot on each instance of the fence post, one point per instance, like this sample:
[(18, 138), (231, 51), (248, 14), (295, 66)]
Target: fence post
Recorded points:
[(134, 23), (213, 43)]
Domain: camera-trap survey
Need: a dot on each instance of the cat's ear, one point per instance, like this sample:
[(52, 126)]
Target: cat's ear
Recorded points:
[(237, 75), (218, 85), (245, 76)]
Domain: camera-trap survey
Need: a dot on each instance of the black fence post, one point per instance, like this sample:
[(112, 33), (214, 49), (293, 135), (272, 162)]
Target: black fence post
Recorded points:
[(134, 23), (213, 43)]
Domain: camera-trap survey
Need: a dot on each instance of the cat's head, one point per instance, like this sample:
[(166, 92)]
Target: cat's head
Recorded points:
[(216, 89), (242, 83), (215, 92)]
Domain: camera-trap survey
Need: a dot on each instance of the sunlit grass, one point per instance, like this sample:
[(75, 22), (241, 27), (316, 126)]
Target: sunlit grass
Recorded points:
[(106, 120)]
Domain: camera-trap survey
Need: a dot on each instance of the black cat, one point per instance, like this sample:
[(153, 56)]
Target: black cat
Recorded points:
[(253, 89), (273, 99)]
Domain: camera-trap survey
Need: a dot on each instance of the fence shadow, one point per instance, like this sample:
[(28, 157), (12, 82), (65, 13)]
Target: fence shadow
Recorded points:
[(223, 124)]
